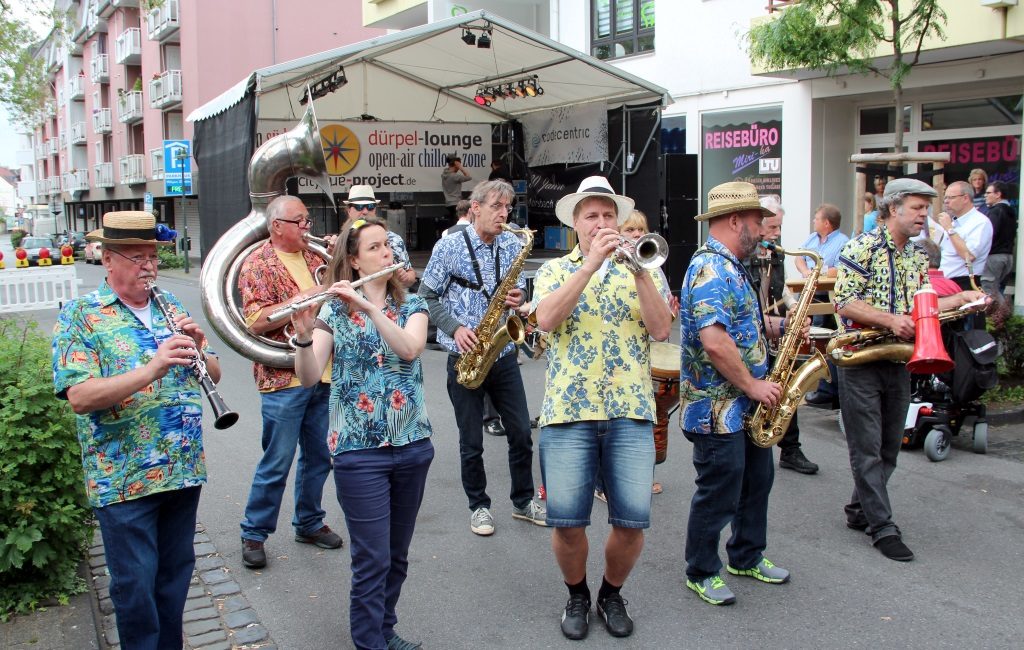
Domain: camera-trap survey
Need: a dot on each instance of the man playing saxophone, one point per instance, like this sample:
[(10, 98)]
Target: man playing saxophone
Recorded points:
[(879, 273), (598, 408), (458, 284), (723, 365)]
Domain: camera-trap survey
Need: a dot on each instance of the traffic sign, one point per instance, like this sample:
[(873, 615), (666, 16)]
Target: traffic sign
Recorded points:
[(177, 167)]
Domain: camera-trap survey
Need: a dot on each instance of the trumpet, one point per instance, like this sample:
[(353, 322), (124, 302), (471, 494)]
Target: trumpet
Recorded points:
[(644, 254), (324, 296)]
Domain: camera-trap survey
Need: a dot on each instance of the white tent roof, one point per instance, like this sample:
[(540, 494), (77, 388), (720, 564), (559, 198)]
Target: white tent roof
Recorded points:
[(429, 74)]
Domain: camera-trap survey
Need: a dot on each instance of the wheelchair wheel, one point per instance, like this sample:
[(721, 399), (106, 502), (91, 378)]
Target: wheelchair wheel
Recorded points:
[(937, 443), (980, 436)]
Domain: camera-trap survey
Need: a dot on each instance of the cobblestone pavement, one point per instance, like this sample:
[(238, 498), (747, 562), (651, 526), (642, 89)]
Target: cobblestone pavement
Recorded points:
[(217, 615)]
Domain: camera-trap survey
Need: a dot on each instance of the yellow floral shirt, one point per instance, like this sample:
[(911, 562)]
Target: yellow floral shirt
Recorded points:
[(599, 364)]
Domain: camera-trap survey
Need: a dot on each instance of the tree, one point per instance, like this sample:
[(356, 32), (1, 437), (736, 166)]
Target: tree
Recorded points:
[(841, 36), (22, 56)]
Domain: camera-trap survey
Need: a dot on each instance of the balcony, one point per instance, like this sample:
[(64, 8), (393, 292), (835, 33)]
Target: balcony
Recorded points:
[(133, 169), (51, 146), (101, 121), (60, 97), (165, 90), (103, 174), (78, 133), (162, 22), (94, 20), (76, 87), (41, 151), (99, 69), (53, 183), (42, 187), (128, 48), (76, 181), (27, 191), (129, 107), (62, 141)]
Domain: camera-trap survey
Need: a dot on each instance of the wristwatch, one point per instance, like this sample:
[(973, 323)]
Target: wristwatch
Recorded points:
[(950, 232)]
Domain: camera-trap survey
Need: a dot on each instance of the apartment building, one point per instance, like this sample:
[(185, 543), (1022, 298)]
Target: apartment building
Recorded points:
[(122, 80)]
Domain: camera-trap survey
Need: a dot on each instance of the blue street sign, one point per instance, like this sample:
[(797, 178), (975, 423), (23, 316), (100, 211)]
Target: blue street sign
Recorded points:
[(177, 167), (147, 201)]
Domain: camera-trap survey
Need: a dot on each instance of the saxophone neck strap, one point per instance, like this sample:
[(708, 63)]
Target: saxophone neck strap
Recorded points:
[(479, 284), (750, 281)]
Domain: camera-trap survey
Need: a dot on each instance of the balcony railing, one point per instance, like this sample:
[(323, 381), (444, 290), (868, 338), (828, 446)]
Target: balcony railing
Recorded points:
[(78, 133), (162, 21), (60, 97), (76, 181), (156, 162), (27, 191), (62, 141), (103, 174), (165, 90), (133, 169), (54, 184), (99, 69), (129, 107), (42, 187), (93, 21), (41, 151), (128, 48), (101, 121), (76, 87), (51, 146)]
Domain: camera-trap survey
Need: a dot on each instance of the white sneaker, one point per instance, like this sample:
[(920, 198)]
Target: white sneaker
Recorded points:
[(481, 522), (532, 512)]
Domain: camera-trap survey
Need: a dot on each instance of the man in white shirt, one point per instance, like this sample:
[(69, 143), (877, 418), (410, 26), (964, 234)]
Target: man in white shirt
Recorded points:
[(967, 235)]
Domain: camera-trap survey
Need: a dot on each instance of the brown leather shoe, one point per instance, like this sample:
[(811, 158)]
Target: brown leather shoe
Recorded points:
[(253, 554), (323, 538)]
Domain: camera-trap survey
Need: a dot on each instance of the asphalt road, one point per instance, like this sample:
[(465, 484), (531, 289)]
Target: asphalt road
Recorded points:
[(962, 517)]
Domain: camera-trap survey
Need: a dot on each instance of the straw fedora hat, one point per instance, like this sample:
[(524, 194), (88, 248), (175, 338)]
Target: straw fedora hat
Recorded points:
[(593, 186), (734, 196), (132, 227), (361, 194)]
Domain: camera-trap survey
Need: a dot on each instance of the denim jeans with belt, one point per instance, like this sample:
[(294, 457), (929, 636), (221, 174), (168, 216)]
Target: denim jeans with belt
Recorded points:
[(148, 545), (504, 385), (291, 417), (734, 478)]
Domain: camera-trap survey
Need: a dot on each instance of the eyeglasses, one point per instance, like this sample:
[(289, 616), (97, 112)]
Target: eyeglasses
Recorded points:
[(359, 207), (138, 260), (501, 207), (304, 221), (954, 196)]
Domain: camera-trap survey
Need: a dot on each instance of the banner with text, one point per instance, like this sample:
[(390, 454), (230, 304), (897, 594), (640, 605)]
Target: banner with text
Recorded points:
[(394, 156), (742, 146), (571, 134)]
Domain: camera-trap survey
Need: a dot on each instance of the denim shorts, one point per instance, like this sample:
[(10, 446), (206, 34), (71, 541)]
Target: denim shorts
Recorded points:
[(572, 453)]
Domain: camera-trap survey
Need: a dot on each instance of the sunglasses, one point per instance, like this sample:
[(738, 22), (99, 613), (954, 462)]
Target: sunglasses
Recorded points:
[(359, 207)]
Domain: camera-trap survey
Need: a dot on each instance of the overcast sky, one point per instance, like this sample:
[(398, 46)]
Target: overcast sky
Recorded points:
[(8, 133)]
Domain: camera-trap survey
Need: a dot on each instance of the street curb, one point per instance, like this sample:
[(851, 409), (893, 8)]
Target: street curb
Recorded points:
[(217, 615), (1007, 415)]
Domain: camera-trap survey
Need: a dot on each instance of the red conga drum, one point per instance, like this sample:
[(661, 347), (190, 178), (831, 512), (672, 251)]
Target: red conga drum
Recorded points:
[(665, 378)]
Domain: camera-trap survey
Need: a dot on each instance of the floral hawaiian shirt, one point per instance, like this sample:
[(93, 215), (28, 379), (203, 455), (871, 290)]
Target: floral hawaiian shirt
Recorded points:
[(717, 290), (264, 281), (450, 269), (872, 269), (152, 441), (599, 365), (399, 252), (376, 397)]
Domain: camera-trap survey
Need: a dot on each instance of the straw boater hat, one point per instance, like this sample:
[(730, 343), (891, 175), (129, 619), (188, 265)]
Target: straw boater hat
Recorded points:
[(361, 194), (132, 227), (593, 186), (734, 196)]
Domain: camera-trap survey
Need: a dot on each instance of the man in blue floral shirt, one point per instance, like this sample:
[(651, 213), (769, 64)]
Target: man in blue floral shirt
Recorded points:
[(463, 272), (128, 378), (723, 365)]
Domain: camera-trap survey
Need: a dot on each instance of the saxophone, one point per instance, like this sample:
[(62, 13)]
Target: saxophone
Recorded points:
[(767, 425), (474, 364)]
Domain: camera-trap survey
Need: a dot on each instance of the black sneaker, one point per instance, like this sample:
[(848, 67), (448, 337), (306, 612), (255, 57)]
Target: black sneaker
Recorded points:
[(253, 554), (494, 428), (576, 617), (612, 610), (796, 461), (893, 548)]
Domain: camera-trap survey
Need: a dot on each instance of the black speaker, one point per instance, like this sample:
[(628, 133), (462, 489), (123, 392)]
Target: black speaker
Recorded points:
[(681, 205)]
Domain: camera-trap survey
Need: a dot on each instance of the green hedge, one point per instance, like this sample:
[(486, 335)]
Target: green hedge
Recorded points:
[(168, 259), (45, 521)]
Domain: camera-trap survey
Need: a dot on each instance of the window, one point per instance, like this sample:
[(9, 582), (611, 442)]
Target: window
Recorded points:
[(984, 111), (621, 28), (875, 121)]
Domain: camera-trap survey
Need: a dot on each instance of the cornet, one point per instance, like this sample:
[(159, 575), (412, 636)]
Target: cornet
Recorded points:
[(644, 254)]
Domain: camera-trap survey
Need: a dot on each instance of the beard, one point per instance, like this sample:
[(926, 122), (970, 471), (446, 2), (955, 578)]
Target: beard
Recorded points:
[(748, 243)]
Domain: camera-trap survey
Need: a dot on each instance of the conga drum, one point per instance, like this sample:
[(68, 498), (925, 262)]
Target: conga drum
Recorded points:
[(819, 338), (665, 378)]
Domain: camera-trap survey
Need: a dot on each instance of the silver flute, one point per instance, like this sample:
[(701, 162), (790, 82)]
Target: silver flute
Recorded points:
[(324, 296), (223, 417)]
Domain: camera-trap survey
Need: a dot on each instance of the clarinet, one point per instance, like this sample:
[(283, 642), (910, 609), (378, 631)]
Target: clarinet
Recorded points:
[(223, 416)]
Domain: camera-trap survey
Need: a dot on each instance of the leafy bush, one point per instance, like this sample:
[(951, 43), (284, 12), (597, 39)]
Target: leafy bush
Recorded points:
[(16, 236), (45, 520), (1011, 340), (169, 259)]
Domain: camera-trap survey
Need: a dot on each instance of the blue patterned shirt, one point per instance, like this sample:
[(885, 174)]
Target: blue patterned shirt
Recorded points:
[(152, 441), (398, 250), (450, 260), (716, 290), (376, 397), (829, 250)]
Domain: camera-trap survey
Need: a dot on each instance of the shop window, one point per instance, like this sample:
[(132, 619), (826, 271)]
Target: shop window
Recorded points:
[(971, 113), (621, 28), (875, 121)]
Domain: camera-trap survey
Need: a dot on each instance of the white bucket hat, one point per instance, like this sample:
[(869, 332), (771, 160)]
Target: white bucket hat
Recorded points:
[(361, 194), (593, 186)]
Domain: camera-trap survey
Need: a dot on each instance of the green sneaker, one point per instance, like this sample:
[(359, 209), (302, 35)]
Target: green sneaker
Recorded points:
[(712, 590), (764, 571)]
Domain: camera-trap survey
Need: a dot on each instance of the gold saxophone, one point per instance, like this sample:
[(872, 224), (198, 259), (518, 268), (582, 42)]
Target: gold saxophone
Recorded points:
[(474, 364), (767, 425)]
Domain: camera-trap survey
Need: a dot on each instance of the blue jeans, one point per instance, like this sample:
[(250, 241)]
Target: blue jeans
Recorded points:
[(734, 477), (380, 491), (292, 416), (504, 385), (148, 544), (573, 454)]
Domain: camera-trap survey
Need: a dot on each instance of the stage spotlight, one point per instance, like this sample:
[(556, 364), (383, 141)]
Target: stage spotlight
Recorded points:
[(521, 89), (469, 38), (485, 40), (488, 94), (481, 100), (531, 89)]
